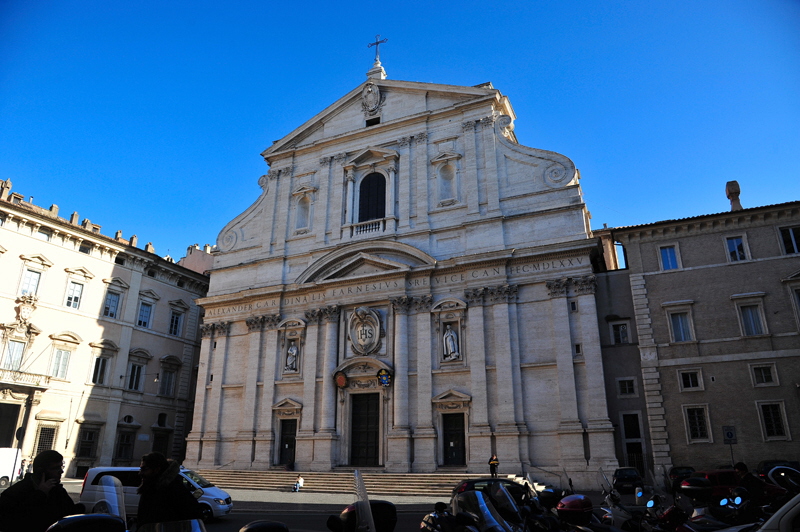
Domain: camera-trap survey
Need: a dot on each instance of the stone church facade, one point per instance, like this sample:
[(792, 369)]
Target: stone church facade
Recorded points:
[(411, 291)]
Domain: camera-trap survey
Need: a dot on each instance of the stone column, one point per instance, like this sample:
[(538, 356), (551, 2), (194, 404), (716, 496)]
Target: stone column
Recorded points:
[(323, 200), (479, 431), (508, 399), (350, 179), (216, 379), (201, 400), (599, 429), (570, 428), (490, 163), (472, 192), (391, 210), (305, 434), (399, 437), (420, 177), (424, 432), (265, 397), (406, 208), (326, 436), (245, 439)]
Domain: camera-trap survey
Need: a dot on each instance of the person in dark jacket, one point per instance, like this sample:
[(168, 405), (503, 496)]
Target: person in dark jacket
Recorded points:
[(493, 463), (163, 496), (753, 484), (38, 500)]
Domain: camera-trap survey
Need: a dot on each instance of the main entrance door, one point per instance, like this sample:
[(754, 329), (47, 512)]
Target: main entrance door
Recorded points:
[(453, 432), (365, 429), (9, 414), (288, 436)]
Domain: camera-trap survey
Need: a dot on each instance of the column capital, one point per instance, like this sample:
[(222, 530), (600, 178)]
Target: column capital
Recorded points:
[(403, 141), (584, 285), (469, 125), (331, 313), (423, 303), (254, 323), (503, 293), (206, 330), (475, 296), (340, 157), (222, 328), (271, 320), (314, 315), (557, 287), (402, 304)]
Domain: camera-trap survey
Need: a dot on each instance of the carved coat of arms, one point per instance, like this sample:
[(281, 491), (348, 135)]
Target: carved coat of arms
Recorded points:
[(364, 328), (371, 99)]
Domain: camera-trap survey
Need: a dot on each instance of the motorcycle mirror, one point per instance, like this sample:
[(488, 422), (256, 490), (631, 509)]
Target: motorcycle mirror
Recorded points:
[(737, 501), (723, 502)]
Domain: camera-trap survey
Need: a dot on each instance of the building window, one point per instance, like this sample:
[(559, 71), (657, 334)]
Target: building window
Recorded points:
[(119, 260), (751, 320), (161, 443), (74, 292), (60, 364), (626, 387), (697, 423), (99, 371), (680, 327), (13, 358), (124, 447), (87, 443), (175, 323), (111, 305), (773, 420), (145, 313), (690, 380), (135, 374), (669, 258), (764, 375), (166, 383), (578, 350), (619, 332), (791, 239), (43, 234), (85, 247), (46, 438), (736, 251), (30, 282), (372, 198)]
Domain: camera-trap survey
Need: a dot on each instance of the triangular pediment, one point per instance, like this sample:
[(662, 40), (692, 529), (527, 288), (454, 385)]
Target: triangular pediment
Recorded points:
[(451, 396), (446, 156), (371, 155), (80, 271), (117, 282), (149, 294), (792, 277), (363, 264), (287, 404), (400, 100), (38, 259)]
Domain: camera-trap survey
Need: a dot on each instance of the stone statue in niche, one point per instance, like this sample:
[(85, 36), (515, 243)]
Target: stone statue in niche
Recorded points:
[(291, 357), (450, 340)]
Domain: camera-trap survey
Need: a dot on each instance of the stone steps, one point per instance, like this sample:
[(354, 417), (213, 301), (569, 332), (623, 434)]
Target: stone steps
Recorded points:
[(423, 484)]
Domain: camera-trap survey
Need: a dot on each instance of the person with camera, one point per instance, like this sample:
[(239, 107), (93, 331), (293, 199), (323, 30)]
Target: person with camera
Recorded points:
[(38, 500)]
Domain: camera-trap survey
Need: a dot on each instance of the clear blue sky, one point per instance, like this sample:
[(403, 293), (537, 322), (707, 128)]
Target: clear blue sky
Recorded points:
[(149, 116)]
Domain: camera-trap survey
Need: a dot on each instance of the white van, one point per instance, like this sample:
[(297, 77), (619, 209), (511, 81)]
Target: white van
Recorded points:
[(214, 501), (10, 462)]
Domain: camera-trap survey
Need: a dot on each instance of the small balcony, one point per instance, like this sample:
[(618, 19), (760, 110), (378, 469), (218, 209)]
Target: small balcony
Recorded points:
[(371, 227), (21, 378)]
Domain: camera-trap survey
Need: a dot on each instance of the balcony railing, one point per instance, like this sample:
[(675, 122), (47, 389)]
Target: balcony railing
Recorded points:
[(370, 226), (9, 376)]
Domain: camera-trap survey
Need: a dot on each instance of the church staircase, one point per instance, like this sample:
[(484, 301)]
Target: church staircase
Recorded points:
[(434, 484)]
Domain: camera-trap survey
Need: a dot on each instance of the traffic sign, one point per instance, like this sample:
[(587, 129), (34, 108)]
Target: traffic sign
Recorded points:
[(729, 435)]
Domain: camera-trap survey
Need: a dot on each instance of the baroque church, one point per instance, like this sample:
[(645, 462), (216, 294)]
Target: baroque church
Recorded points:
[(412, 291)]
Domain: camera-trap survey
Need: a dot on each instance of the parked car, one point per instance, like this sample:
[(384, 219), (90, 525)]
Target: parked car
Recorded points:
[(765, 466), (213, 501), (723, 480), (520, 492), (626, 480), (678, 474)]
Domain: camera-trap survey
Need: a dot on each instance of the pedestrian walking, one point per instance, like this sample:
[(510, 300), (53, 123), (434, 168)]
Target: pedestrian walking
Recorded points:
[(493, 463)]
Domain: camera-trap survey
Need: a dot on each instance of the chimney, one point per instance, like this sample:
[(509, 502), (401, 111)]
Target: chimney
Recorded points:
[(118, 235), (74, 218), (5, 189), (732, 192), (134, 240), (54, 209), (149, 248)]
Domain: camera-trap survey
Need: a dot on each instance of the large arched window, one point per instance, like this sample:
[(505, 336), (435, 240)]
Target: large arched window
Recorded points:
[(372, 198)]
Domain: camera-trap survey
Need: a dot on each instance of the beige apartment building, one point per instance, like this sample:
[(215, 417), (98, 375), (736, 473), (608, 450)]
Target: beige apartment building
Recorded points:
[(700, 337), (99, 340)]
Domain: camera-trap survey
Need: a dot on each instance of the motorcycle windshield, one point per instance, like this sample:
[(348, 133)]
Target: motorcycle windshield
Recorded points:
[(786, 477), (112, 499), (476, 504), (363, 511), (602, 481)]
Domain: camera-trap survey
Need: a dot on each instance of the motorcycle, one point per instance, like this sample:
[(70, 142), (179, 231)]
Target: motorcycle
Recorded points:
[(614, 512)]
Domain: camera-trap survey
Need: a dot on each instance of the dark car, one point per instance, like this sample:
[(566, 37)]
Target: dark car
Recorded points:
[(677, 474), (723, 480), (765, 466), (520, 492), (626, 480)]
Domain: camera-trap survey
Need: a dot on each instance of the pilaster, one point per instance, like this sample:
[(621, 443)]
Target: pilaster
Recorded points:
[(399, 438), (265, 437), (326, 436), (471, 185), (480, 433), (420, 180)]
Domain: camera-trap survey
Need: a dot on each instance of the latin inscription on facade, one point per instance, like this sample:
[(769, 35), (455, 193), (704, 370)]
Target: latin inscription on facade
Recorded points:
[(458, 278)]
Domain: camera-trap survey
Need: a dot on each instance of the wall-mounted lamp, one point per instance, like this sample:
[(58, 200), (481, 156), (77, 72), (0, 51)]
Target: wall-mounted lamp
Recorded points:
[(156, 379)]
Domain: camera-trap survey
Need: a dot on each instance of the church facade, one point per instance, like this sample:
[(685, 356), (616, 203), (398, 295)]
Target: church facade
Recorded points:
[(412, 291)]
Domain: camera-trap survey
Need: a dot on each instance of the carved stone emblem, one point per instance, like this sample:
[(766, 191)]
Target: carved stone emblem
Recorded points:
[(371, 99), (365, 331)]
